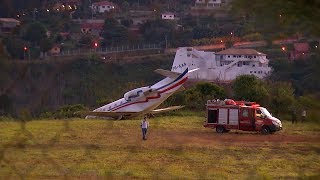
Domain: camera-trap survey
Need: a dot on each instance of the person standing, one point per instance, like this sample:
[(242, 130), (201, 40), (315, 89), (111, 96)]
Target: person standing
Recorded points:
[(144, 127), (294, 116), (303, 114)]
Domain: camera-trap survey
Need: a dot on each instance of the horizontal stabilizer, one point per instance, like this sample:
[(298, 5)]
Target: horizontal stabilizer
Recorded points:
[(156, 111), (167, 73)]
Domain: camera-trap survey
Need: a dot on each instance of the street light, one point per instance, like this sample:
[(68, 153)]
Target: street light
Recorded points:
[(95, 45), (25, 49), (283, 48)]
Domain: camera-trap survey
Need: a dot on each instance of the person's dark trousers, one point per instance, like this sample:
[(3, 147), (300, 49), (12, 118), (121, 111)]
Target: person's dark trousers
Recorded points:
[(144, 133)]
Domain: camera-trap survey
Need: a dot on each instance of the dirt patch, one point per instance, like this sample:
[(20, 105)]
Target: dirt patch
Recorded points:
[(240, 138)]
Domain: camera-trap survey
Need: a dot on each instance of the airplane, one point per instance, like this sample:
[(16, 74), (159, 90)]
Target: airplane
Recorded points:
[(144, 100)]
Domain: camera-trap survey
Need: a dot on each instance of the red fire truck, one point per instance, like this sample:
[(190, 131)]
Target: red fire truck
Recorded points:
[(247, 116)]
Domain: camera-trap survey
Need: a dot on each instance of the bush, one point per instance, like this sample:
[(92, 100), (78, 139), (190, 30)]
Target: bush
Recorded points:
[(68, 111), (253, 37)]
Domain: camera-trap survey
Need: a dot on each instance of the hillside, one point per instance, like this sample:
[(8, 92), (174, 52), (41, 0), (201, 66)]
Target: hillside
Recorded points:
[(38, 87)]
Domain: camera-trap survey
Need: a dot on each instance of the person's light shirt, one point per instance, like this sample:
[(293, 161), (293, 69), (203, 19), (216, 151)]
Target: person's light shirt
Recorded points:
[(144, 124)]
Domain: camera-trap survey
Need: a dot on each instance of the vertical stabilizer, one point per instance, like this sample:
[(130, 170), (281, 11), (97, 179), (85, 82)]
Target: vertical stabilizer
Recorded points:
[(182, 60)]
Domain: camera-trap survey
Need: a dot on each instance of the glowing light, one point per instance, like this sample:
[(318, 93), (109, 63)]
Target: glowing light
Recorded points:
[(283, 48), (25, 48)]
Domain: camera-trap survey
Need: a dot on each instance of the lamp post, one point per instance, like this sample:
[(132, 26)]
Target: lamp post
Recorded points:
[(24, 52)]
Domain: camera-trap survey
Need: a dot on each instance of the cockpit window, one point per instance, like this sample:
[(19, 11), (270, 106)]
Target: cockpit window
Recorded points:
[(265, 112)]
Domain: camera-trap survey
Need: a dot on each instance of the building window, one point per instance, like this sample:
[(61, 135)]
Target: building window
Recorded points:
[(245, 113), (246, 63), (103, 7), (234, 56), (255, 56), (228, 56), (253, 65)]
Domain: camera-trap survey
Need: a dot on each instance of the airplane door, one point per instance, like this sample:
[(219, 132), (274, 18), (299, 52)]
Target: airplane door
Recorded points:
[(247, 121)]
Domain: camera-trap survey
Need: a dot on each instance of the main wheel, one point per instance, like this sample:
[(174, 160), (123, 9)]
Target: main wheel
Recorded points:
[(220, 129), (265, 130)]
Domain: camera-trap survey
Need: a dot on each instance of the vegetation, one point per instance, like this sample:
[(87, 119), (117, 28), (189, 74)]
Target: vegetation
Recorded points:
[(177, 147)]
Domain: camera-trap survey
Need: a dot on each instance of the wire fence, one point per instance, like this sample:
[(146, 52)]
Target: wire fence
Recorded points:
[(109, 50)]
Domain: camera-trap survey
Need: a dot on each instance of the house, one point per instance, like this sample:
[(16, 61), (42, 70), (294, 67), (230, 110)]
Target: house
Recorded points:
[(300, 51), (55, 50), (209, 3), (8, 24), (168, 16), (220, 8), (92, 28), (67, 5), (103, 6)]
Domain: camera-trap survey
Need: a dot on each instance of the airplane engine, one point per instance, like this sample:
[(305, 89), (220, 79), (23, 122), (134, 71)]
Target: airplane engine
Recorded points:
[(136, 93)]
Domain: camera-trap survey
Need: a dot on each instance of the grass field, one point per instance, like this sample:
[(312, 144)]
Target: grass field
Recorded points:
[(178, 147)]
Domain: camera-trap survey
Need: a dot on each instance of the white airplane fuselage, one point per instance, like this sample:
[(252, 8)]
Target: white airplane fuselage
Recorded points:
[(145, 99)]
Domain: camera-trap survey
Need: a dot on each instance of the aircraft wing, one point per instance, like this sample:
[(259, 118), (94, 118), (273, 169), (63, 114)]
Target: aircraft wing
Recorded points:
[(167, 73), (107, 114), (156, 111)]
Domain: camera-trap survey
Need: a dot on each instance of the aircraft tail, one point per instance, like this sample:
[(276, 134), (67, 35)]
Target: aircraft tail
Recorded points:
[(184, 58)]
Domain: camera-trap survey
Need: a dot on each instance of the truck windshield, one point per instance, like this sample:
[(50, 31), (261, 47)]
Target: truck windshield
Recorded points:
[(265, 112)]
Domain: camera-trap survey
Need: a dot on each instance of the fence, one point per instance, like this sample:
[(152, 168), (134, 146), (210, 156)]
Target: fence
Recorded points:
[(109, 50)]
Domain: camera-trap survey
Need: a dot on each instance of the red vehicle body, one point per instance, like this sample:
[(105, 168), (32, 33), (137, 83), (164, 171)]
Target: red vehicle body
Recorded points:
[(247, 116)]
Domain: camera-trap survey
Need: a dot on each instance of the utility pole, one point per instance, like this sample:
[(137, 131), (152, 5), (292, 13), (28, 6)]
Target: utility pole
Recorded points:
[(166, 41), (91, 8)]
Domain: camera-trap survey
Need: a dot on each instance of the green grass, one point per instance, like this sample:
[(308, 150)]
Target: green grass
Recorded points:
[(178, 147)]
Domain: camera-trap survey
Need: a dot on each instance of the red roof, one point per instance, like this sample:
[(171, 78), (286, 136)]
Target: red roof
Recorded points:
[(103, 3), (301, 47), (92, 25), (70, 2), (234, 51)]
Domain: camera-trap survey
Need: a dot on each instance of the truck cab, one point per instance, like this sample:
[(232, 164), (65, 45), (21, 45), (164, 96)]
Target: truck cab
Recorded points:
[(247, 116)]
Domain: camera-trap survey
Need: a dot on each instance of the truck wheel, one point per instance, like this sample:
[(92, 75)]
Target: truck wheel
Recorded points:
[(265, 130), (220, 129)]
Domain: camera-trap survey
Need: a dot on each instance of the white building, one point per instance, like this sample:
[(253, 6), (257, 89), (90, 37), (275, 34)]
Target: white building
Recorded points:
[(209, 3), (103, 6), (168, 16), (8, 24), (223, 66)]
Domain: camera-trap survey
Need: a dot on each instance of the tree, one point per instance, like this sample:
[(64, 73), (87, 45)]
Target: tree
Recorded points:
[(113, 32), (14, 47), (45, 45), (157, 30), (196, 97), (281, 97), (249, 88), (287, 17), (35, 32)]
